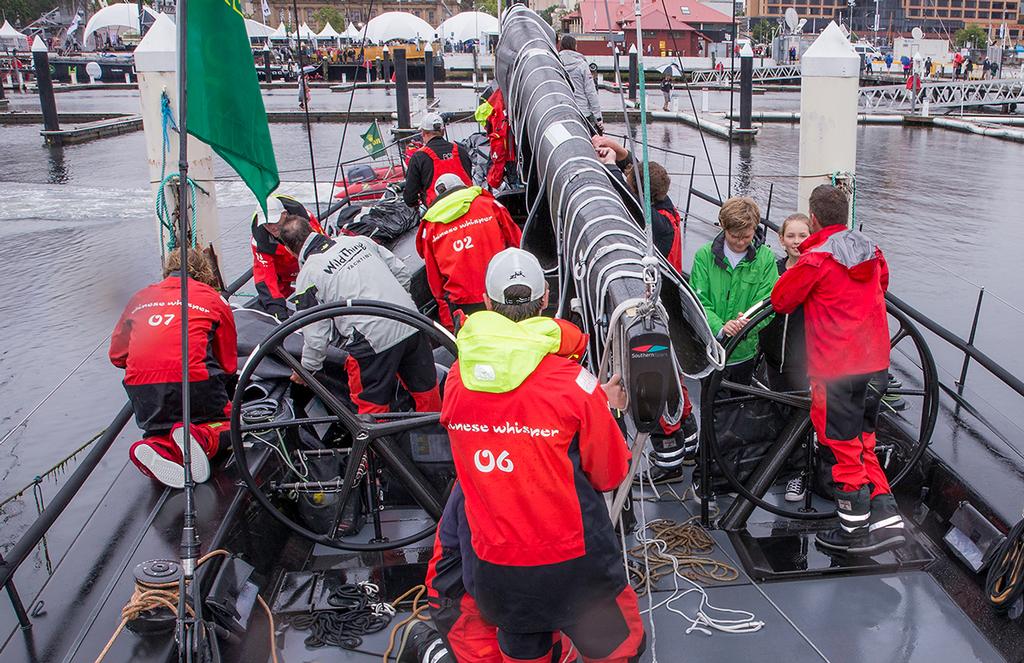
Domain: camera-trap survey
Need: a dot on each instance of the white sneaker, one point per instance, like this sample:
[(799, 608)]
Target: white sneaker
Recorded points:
[(164, 470), (796, 489), (200, 463)]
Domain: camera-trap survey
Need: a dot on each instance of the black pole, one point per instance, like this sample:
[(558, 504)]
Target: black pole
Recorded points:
[(41, 62), (746, 90), (428, 72), (267, 75), (386, 70), (402, 89), (633, 73)]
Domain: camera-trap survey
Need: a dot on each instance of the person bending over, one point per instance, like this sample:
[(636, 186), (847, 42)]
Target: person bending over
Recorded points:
[(273, 268), (534, 446), (146, 342), (381, 352)]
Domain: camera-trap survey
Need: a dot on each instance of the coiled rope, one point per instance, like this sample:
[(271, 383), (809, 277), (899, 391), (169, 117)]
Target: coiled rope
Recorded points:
[(681, 548), (163, 213), (1004, 584), (356, 611), (154, 596)]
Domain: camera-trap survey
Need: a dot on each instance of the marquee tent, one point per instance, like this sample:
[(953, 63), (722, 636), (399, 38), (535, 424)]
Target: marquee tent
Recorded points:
[(114, 19), (468, 25), (399, 25), (11, 38)]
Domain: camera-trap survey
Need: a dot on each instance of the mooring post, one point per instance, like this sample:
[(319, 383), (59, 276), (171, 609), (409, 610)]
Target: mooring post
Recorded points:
[(386, 69), (830, 77), (428, 71), (633, 72), (41, 62), (267, 75), (402, 89), (746, 86), (156, 65)]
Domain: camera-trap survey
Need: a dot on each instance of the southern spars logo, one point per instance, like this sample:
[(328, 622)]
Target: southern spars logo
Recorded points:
[(649, 349)]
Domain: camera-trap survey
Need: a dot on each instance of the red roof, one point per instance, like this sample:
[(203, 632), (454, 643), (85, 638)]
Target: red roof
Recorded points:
[(681, 12)]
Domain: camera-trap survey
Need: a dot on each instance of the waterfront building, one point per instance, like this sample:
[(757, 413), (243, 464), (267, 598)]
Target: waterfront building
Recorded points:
[(690, 26)]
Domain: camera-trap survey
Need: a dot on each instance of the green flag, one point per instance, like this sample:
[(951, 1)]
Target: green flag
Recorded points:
[(372, 141), (225, 108)]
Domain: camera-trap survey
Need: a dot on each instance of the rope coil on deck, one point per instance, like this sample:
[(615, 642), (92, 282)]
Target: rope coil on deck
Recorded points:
[(1004, 584), (683, 549)]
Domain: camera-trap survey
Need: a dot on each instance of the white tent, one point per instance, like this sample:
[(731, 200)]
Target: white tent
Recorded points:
[(328, 32), (279, 34), (398, 25), (305, 32), (468, 25), (11, 38), (257, 30), (115, 19), (352, 32)]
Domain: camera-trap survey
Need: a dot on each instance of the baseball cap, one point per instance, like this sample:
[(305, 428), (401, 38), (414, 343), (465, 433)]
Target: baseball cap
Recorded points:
[(447, 182), (432, 122), (276, 205), (514, 267)]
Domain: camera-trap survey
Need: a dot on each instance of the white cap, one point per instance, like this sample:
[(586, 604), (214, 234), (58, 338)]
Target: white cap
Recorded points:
[(432, 122), (274, 210), (514, 267), (447, 182)]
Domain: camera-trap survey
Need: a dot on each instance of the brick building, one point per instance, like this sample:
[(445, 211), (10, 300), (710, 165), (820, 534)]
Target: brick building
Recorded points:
[(359, 12), (686, 30), (938, 18)]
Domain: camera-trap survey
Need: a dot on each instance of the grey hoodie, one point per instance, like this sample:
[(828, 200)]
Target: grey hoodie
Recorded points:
[(582, 82), (350, 268)]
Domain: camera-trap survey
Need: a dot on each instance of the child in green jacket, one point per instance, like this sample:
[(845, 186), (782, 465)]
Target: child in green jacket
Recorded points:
[(730, 274)]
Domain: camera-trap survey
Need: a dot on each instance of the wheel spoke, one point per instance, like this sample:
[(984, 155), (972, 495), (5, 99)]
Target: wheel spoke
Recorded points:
[(786, 398), (344, 414), (402, 425), (287, 423), (898, 336), (905, 392)]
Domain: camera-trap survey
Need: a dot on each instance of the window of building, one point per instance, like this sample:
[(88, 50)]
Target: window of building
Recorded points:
[(430, 20), (944, 13), (997, 5), (684, 10), (970, 14)]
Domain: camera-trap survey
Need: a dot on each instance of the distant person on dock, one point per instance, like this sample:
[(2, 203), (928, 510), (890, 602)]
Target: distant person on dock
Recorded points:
[(666, 90), (958, 63), (928, 67), (888, 61), (273, 268), (381, 352), (584, 90), (146, 342), (437, 157), (462, 230), (968, 68), (840, 280), (792, 54), (535, 446)]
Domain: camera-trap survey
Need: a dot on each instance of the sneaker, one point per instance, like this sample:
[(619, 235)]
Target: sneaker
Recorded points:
[(796, 489), (695, 489), (155, 457), (198, 443)]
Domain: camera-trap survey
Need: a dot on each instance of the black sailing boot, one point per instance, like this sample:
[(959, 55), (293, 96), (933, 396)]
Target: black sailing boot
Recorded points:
[(666, 459), (854, 513), (885, 528), (425, 646), (688, 433)]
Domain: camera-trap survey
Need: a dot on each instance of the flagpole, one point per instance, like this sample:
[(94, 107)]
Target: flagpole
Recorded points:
[(189, 638), (304, 90)]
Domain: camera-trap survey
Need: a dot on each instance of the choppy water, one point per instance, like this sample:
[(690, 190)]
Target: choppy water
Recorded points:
[(78, 237)]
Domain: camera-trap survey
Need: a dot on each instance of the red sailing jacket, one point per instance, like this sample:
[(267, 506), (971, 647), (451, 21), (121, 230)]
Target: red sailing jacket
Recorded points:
[(670, 214), (274, 269), (457, 238), (502, 148), (147, 343), (840, 280), (533, 454), (452, 164)]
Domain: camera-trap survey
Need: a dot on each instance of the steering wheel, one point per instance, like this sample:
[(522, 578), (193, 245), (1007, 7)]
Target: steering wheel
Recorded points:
[(370, 436)]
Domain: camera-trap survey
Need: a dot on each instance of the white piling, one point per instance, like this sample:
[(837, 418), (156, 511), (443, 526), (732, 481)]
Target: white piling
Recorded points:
[(156, 66), (74, 75), (828, 111), (705, 101)]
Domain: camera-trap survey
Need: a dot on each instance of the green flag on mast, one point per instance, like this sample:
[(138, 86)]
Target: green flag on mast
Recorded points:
[(225, 108), (373, 143)]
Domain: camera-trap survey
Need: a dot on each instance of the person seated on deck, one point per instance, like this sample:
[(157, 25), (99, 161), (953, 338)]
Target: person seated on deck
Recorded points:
[(381, 352), (840, 279), (534, 446), (460, 233), (676, 444), (146, 342), (273, 268), (434, 159)]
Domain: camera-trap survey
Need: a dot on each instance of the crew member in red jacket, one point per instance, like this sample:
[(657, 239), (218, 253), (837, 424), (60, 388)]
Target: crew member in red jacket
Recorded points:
[(492, 117), (273, 268), (147, 343), (841, 279), (434, 159), (462, 230), (534, 446)]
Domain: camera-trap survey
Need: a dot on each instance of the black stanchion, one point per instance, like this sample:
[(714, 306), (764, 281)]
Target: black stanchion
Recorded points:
[(428, 71), (634, 72), (267, 75), (402, 89), (41, 62), (746, 91)]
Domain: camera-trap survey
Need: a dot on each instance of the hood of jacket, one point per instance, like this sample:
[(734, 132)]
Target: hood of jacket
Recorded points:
[(452, 205), (850, 248), (573, 59), (496, 355)]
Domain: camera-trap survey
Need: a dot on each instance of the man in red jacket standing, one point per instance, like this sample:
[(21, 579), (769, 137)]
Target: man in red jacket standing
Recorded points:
[(147, 343), (534, 446), (462, 230), (841, 279)]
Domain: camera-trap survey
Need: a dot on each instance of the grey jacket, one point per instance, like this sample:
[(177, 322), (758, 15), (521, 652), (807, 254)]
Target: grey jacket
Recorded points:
[(350, 268), (582, 82)]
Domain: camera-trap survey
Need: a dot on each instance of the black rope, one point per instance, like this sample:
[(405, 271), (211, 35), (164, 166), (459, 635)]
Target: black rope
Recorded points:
[(1004, 584), (351, 617)]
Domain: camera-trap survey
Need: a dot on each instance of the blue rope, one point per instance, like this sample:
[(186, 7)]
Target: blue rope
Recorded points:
[(163, 213)]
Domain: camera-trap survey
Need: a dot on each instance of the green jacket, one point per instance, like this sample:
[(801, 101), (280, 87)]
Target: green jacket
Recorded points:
[(725, 292)]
